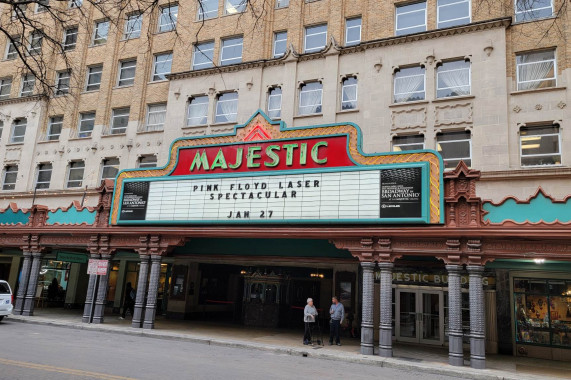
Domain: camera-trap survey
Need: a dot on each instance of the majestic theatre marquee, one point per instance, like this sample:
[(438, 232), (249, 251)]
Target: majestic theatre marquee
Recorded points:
[(267, 173)]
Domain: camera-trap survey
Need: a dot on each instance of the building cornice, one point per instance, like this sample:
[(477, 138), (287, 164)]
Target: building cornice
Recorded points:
[(528, 173), (26, 99)]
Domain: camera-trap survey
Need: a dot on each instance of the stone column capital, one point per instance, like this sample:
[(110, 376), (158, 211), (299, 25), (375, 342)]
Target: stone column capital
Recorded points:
[(155, 258), (368, 266), (454, 268), (386, 266), (475, 269)]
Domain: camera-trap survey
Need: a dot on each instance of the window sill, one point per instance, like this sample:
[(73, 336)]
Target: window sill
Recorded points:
[(164, 31), (532, 20), (153, 131), (94, 46), (308, 115), (226, 123), (47, 141), (538, 90), (404, 104), (126, 86), (535, 167), (197, 126), (79, 138), (206, 19), (158, 81), (14, 143), (453, 98), (233, 14), (284, 7), (352, 110), (89, 92), (114, 134)]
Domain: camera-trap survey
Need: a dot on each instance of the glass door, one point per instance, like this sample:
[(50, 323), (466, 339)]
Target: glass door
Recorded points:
[(406, 323), (430, 313), (419, 316)]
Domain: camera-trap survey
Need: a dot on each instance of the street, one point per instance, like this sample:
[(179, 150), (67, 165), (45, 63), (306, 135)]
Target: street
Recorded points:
[(42, 352)]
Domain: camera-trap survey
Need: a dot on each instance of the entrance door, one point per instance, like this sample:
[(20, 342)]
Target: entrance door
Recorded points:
[(419, 316)]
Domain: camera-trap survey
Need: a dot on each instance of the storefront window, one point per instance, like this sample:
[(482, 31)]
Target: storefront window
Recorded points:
[(543, 311), (54, 270)]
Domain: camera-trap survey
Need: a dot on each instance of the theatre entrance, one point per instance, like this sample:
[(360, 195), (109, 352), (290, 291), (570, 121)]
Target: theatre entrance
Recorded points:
[(419, 315)]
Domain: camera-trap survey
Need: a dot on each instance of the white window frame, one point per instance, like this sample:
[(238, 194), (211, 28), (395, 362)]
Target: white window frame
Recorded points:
[(232, 60), (344, 86), (270, 96), (23, 9), (397, 14), (190, 106), (18, 139), (68, 47), (155, 127), (104, 165), (394, 146), (232, 9), (91, 71), (60, 77), (347, 27), (154, 73), (518, 65), (521, 138), (98, 41), (165, 13), (454, 141), (301, 92), (118, 113), (414, 92), (137, 20), (531, 10), (228, 119), (74, 4), (276, 42), (282, 4), (5, 174), (39, 170), (82, 117), (41, 8), (122, 66), (206, 15), (50, 136), (25, 80), (317, 48), (5, 82), (198, 50), (14, 54), (142, 165), (33, 40), (70, 169), (440, 71), (438, 21)]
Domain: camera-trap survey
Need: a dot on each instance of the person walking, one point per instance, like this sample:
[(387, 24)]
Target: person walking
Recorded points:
[(309, 315), (337, 312), (129, 303)]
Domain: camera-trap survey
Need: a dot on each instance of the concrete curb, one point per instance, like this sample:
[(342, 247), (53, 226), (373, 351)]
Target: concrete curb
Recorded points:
[(420, 366)]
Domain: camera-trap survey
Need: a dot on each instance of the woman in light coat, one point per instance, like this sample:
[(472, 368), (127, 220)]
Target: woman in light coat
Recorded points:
[(309, 316)]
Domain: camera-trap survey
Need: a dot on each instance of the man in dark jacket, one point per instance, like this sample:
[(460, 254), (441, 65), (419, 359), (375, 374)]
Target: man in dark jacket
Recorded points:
[(129, 302)]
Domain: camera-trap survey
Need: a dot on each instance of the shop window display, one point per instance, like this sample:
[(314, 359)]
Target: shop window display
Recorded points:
[(54, 270), (543, 311)]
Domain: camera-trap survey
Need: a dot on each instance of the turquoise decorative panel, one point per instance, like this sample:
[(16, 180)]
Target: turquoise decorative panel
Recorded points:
[(11, 217), (71, 216), (540, 208)]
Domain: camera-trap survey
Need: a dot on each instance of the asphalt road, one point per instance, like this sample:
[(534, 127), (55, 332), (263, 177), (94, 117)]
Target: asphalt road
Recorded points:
[(31, 351)]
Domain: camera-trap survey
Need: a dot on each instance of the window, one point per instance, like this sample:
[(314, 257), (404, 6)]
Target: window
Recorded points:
[(231, 51), (101, 32), (18, 131), (75, 173), (10, 176), (62, 82), (1, 128), (35, 46), (453, 79), (197, 111), (203, 56), (147, 162), (310, 95), (282, 3), (234, 6), (453, 12), (70, 39), (275, 103), (75, 3), (404, 143), (156, 114), (42, 6), (532, 9), (94, 78), (536, 70), (19, 10), (133, 26), (127, 72), (315, 38), (167, 18), (13, 45), (454, 147), (540, 145), (109, 168), (86, 124), (226, 108), (280, 44), (409, 84), (5, 87), (207, 9), (28, 83), (353, 31), (44, 176), (162, 66), (410, 19), (119, 121), (54, 128), (542, 314), (349, 94)]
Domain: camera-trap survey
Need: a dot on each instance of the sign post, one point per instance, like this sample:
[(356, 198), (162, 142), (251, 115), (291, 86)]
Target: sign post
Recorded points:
[(97, 268)]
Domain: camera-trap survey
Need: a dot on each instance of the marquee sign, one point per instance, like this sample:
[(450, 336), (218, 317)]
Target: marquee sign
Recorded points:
[(267, 173)]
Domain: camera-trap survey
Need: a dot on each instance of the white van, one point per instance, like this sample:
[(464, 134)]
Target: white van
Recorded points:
[(6, 299)]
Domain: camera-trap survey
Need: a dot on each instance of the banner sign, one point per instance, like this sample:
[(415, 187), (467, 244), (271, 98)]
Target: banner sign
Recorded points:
[(71, 257), (265, 173), (97, 267)]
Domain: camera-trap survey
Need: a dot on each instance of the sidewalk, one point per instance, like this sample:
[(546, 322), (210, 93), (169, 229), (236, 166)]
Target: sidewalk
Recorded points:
[(412, 357)]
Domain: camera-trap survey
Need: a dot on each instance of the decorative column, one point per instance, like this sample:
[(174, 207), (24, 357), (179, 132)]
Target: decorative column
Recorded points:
[(101, 299), (455, 351), (141, 292), (367, 334), (151, 308), (29, 301), (89, 295), (23, 286), (386, 330), (477, 331)]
